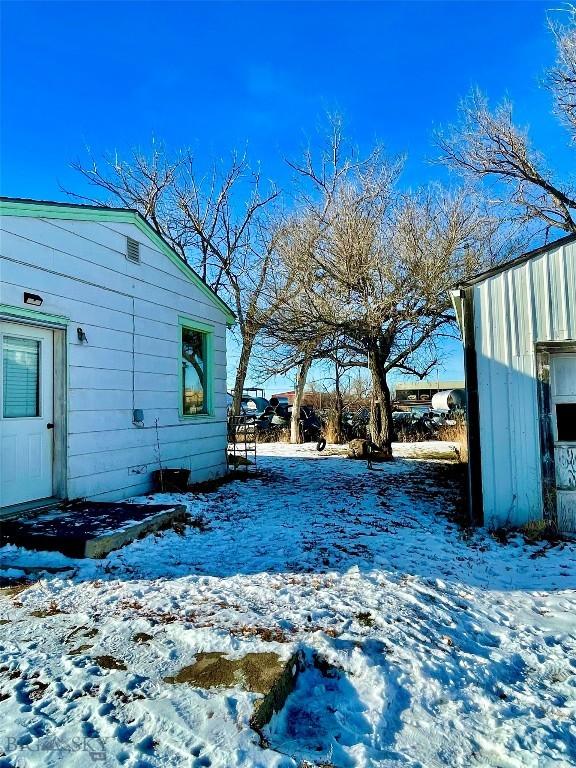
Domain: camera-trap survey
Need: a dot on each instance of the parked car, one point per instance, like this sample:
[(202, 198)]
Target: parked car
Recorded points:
[(413, 425), (250, 406), (355, 423), (278, 417), (254, 406)]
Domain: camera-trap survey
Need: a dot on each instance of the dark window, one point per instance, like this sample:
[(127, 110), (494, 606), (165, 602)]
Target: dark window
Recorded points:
[(566, 422)]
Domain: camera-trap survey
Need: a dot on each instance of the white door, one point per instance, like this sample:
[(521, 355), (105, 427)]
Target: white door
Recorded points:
[(26, 413), (563, 402)]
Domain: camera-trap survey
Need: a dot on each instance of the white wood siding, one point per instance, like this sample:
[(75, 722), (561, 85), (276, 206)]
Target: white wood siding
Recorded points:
[(514, 309), (129, 313)]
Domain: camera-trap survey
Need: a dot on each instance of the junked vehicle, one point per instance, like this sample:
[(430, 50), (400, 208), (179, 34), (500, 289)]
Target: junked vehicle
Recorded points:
[(277, 417)]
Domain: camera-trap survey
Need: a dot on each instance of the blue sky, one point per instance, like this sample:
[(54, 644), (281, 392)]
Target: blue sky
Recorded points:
[(215, 76)]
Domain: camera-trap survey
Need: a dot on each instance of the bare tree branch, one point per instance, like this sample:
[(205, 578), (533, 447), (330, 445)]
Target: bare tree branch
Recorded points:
[(218, 223)]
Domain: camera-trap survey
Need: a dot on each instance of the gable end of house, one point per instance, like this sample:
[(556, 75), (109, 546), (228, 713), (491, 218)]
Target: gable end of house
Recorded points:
[(73, 211)]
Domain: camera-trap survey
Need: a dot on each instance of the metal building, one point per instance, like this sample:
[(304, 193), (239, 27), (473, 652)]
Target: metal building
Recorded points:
[(518, 324), (421, 392)]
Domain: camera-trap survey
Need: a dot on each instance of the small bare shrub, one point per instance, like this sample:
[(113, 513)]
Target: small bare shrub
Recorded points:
[(275, 436), (535, 531), (406, 436)]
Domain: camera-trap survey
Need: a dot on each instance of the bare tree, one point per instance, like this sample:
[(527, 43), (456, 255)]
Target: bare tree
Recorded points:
[(376, 266), (220, 223), (282, 354), (487, 145), (357, 392), (562, 77)]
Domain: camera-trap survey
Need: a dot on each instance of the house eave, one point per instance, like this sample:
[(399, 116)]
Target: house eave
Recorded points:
[(79, 212)]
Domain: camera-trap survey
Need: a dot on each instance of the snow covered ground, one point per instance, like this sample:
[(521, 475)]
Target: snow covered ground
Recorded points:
[(453, 650)]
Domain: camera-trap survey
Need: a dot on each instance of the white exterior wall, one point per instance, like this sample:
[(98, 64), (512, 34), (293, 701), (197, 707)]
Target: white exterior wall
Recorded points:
[(130, 314), (532, 302)]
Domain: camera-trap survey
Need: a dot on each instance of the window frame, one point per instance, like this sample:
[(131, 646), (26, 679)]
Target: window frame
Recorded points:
[(207, 331), (557, 424), (39, 382)]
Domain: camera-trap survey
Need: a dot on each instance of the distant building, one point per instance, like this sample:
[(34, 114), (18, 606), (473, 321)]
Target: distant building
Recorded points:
[(284, 397), (412, 392)]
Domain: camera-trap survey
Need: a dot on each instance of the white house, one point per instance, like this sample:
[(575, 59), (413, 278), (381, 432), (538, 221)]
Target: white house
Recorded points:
[(519, 329), (112, 357)]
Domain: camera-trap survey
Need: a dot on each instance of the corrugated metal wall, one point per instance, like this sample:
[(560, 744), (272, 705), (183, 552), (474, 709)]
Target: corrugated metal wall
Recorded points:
[(514, 309)]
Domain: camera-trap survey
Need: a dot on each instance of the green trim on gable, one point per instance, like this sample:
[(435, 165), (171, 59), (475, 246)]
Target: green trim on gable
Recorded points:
[(121, 215), (32, 315)]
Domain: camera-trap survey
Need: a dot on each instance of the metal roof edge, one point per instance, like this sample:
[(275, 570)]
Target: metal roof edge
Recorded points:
[(524, 257)]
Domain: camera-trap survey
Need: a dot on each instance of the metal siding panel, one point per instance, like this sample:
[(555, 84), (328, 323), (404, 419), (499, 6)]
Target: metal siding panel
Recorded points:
[(547, 289), (514, 418), (513, 310), (525, 445), (500, 396), (507, 317), (539, 290), (523, 402), (570, 267), (523, 310), (560, 290), (98, 289), (534, 301), (484, 354), (531, 326)]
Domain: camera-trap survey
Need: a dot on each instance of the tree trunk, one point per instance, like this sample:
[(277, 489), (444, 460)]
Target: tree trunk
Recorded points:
[(338, 406), (241, 373), (381, 410), (295, 436)]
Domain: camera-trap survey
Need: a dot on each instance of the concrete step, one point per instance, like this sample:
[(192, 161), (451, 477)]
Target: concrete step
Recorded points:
[(89, 529)]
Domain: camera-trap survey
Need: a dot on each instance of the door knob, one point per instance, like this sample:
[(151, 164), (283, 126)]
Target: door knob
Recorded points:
[(49, 426)]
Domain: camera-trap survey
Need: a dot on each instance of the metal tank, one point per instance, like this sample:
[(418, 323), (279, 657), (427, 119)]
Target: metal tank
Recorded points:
[(449, 400)]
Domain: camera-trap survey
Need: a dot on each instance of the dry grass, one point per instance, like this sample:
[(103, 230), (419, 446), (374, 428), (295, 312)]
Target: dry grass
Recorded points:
[(275, 436), (541, 530), (408, 436), (458, 434)]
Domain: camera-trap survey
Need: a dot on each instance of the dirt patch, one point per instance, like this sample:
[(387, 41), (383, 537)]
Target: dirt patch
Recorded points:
[(255, 672), (365, 619), (10, 588), (84, 631), (43, 613), (109, 662), (127, 697), (263, 673), (37, 690), (81, 649), (268, 634), (80, 634), (141, 637)]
